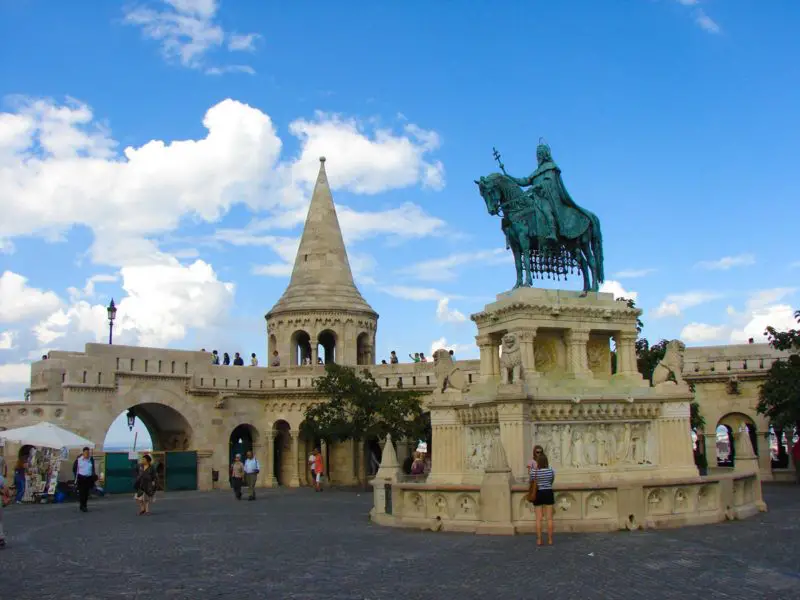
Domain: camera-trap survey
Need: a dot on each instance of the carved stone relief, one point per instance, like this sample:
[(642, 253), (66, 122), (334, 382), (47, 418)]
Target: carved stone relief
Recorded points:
[(479, 446), (583, 445), (599, 355), (546, 355)]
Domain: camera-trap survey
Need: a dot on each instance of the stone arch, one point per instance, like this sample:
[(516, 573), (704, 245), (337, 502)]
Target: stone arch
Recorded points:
[(174, 423), (327, 341), (299, 348), (282, 451), (365, 353), (728, 425), (243, 439)]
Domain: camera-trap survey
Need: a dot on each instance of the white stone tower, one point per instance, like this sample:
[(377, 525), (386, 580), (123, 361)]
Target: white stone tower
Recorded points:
[(322, 315)]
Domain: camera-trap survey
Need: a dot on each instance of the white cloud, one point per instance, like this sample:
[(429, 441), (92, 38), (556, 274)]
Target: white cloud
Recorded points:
[(615, 287), (413, 293), (231, 69), (362, 162), (705, 22), (674, 304), (243, 42), (780, 316), (461, 351), (7, 340), (445, 268), (15, 373), (764, 298), (727, 262), (88, 290), (448, 315), (59, 169), (702, 333), (633, 273), (7, 246), (187, 30), (19, 302)]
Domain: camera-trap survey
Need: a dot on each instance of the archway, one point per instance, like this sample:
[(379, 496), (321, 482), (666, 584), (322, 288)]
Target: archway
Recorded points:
[(272, 346), (242, 440), (306, 446), (282, 452), (156, 430), (326, 346), (363, 349), (300, 348), (727, 428)]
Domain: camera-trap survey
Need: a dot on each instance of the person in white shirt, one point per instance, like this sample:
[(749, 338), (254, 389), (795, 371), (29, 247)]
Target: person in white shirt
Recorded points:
[(85, 477), (251, 469), (253, 360), (311, 461)]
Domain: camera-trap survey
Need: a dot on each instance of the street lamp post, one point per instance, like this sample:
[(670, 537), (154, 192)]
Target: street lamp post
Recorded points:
[(112, 314), (131, 416)]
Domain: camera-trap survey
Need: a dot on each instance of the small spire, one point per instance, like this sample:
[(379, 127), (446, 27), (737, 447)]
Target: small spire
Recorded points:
[(322, 159)]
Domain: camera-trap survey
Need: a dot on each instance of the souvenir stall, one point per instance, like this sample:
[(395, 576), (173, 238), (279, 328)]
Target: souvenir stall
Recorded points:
[(49, 445)]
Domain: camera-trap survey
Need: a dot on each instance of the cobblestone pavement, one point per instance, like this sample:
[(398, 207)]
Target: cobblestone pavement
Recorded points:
[(297, 544)]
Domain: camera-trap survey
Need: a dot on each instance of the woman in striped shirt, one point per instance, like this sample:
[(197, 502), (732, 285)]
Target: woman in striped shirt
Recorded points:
[(543, 475)]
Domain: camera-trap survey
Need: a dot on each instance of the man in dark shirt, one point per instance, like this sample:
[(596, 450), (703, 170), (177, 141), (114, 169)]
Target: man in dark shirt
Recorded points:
[(238, 361)]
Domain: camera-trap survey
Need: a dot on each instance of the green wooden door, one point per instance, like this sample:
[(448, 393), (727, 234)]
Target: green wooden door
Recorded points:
[(181, 471), (120, 473)]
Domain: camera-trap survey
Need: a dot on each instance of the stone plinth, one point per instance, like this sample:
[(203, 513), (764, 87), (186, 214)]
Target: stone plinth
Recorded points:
[(622, 449)]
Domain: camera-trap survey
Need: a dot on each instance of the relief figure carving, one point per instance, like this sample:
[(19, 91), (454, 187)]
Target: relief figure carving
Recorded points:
[(583, 445)]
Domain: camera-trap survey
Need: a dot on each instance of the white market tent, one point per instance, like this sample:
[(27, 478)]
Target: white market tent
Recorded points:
[(46, 435)]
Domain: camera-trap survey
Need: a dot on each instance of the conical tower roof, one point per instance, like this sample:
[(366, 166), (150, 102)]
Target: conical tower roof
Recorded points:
[(321, 278)]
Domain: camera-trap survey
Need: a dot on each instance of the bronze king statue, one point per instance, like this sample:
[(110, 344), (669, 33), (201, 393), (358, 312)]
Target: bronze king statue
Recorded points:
[(548, 233)]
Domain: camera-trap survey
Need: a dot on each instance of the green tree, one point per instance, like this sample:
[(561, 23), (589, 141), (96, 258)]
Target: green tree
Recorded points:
[(779, 396), (647, 356), (357, 408)]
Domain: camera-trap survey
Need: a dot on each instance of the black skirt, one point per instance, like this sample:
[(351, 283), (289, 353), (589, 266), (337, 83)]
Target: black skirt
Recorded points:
[(544, 498)]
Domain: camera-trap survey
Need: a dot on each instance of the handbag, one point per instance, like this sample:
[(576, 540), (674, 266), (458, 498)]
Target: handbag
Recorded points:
[(532, 489)]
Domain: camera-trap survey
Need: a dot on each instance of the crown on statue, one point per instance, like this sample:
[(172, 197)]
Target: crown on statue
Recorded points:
[(543, 150)]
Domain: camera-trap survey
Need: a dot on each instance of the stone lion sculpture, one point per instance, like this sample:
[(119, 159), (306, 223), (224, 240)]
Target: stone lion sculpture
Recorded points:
[(671, 364), (510, 360), (447, 373)]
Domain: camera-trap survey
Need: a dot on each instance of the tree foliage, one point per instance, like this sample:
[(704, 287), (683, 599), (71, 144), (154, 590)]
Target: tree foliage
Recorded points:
[(357, 408), (779, 396)]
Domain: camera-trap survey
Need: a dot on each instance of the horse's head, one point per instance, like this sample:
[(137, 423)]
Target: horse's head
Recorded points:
[(491, 192)]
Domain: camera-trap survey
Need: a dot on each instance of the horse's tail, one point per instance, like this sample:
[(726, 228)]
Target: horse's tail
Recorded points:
[(597, 248)]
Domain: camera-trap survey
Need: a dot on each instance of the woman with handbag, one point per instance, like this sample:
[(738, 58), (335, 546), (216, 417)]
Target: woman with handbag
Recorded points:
[(541, 494), (145, 485)]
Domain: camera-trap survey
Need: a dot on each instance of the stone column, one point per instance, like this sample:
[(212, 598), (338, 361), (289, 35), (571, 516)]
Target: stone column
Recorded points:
[(710, 448), (577, 357), (204, 468), (260, 453), (294, 480), (486, 346), (314, 353), (625, 342), (269, 460), (764, 456), (323, 449), (515, 436), (447, 446), (527, 338)]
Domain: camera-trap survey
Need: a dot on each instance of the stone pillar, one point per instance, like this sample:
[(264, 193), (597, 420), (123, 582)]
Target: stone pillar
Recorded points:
[(764, 456), (710, 448), (515, 436), (294, 477), (314, 352), (204, 468), (323, 449), (527, 338), (486, 346), (269, 460), (447, 446), (577, 357), (625, 342), (260, 453)]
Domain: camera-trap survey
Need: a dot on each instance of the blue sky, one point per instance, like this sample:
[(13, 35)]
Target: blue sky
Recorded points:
[(162, 153)]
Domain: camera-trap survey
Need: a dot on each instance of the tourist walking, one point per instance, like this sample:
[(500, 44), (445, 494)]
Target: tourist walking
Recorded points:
[(543, 475), (418, 466), (319, 470), (85, 477), (19, 480), (145, 485), (237, 476), (251, 469), (253, 360), (312, 460)]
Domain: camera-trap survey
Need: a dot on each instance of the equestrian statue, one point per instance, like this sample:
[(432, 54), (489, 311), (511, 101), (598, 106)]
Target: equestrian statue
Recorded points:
[(548, 233)]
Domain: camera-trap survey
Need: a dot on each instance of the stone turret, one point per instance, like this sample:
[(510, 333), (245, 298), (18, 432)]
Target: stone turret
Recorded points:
[(322, 315)]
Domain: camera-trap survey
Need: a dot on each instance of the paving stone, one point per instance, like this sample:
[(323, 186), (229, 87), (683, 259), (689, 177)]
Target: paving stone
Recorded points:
[(298, 544)]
